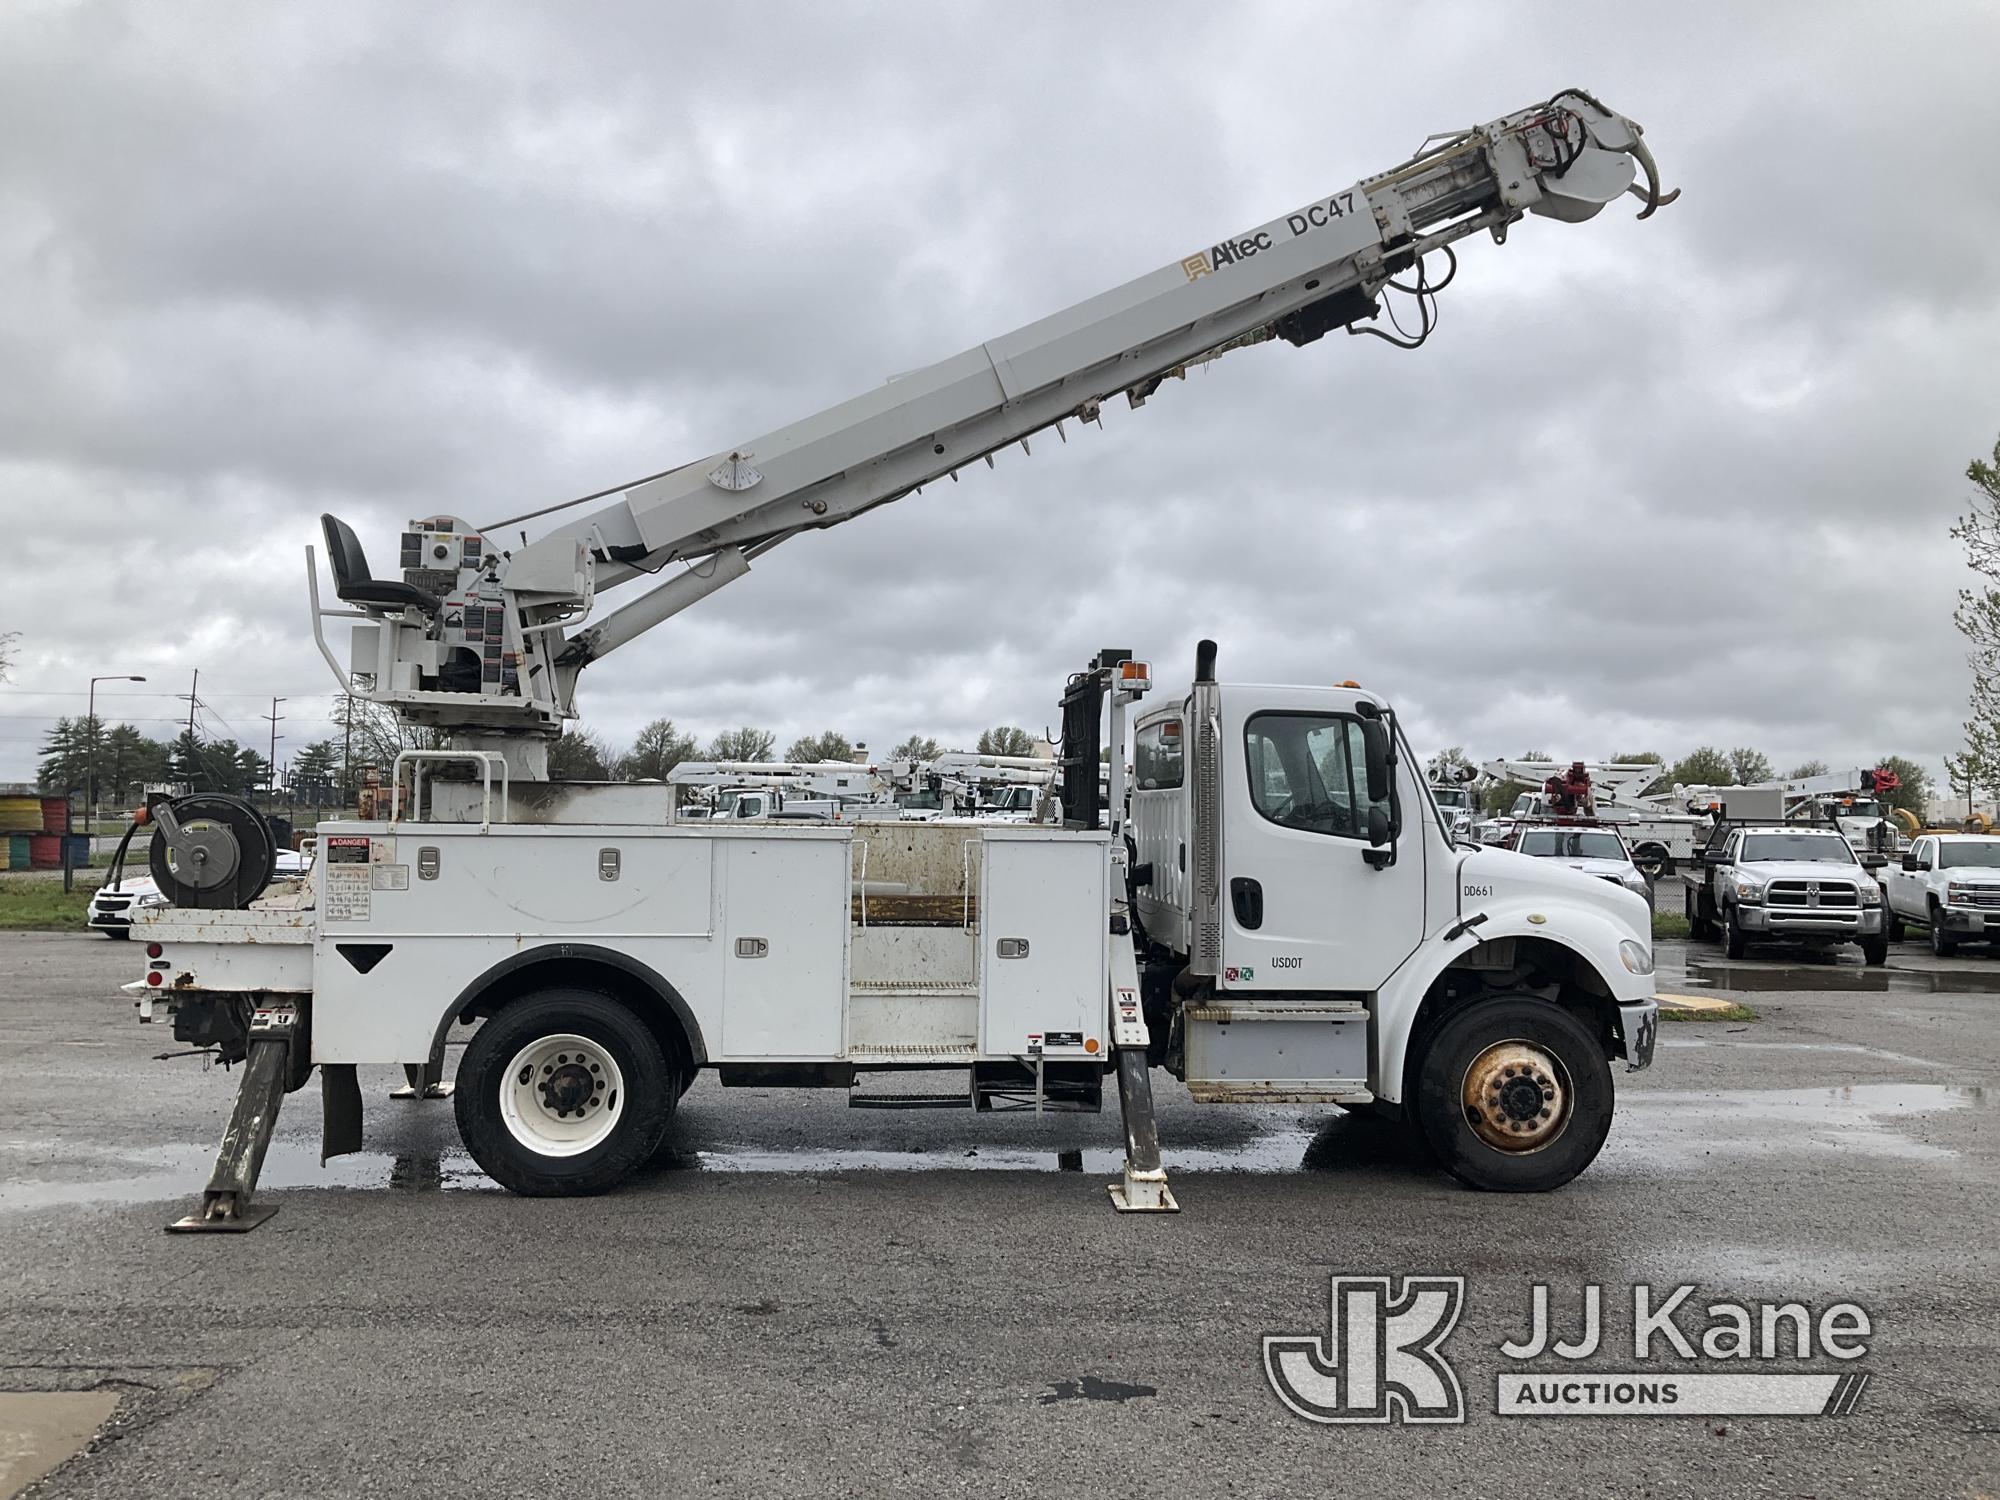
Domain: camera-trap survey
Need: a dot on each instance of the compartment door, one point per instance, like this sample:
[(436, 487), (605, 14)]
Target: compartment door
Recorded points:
[(784, 949), (1046, 894)]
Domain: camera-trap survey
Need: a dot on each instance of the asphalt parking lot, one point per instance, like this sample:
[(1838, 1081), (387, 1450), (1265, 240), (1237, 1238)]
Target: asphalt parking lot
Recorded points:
[(804, 1299)]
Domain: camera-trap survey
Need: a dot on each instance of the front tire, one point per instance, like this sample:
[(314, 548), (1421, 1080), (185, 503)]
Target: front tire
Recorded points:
[(1734, 943), (1875, 951), (1514, 1095), (1943, 943), (563, 1093)]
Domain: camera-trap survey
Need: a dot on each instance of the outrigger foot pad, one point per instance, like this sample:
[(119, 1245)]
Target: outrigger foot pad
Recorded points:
[(1144, 1193), (221, 1218)]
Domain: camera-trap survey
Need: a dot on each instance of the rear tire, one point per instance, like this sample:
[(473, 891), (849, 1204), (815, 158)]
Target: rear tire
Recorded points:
[(1514, 1095), (563, 1093), (1653, 861), (1699, 927)]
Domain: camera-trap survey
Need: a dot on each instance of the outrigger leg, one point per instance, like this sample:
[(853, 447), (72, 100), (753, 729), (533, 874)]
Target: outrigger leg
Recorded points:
[(1144, 1189), (225, 1204)]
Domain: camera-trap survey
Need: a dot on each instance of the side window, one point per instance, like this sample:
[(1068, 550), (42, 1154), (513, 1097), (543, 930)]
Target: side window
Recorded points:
[(1157, 756), (1307, 771), (1926, 849)]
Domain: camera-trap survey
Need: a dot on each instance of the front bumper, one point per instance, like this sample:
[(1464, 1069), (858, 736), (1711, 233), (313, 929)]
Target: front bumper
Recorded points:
[(1840, 924), (1639, 1021), (1972, 919)]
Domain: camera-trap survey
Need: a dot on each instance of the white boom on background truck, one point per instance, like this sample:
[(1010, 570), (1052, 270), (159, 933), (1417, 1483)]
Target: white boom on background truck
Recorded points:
[(1290, 923)]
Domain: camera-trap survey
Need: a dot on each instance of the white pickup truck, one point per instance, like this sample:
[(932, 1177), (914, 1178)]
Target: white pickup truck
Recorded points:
[(1785, 884), (1950, 883)]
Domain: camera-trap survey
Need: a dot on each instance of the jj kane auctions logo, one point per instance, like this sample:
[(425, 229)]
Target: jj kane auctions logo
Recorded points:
[(1382, 1358)]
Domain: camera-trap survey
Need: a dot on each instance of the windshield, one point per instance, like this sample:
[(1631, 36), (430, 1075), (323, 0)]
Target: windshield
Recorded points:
[(1450, 796), (921, 801), (1013, 799), (1553, 843), (1969, 856), (1826, 847)]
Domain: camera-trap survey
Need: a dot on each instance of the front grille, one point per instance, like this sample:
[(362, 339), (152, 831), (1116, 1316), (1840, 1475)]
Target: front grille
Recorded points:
[(1812, 893), (1978, 895), (109, 904)]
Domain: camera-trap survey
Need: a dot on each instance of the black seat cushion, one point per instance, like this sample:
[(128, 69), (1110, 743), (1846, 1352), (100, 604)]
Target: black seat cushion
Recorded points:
[(352, 583)]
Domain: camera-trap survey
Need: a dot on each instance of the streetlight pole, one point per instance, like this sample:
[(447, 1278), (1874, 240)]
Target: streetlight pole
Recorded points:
[(90, 764)]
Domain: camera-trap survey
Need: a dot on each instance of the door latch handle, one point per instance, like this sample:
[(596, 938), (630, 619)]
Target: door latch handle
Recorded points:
[(1247, 897)]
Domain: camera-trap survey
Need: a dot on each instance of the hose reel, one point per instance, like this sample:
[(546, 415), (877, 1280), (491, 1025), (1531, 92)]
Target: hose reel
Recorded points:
[(211, 852)]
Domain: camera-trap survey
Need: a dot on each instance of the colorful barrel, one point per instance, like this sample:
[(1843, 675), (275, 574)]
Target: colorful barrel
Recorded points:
[(55, 815), (17, 851), (79, 849), (20, 815), (45, 851)]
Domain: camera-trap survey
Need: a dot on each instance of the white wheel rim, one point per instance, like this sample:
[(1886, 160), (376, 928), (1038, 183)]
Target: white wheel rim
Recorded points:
[(562, 1095)]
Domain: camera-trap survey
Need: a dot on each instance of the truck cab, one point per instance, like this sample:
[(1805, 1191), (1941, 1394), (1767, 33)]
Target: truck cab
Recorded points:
[(1297, 886)]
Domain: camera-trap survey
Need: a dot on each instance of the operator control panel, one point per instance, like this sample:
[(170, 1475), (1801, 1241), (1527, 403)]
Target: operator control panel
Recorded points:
[(443, 556)]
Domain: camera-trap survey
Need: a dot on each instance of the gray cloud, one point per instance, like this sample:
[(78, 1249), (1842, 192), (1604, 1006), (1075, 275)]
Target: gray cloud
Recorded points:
[(1665, 483)]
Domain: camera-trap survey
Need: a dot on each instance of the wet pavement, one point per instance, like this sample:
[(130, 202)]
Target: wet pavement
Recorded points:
[(798, 1298)]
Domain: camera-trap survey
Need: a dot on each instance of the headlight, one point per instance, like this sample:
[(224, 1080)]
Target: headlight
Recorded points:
[(1958, 893), (1748, 889), (1636, 956), (1633, 881), (1871, 893), (152, 898)]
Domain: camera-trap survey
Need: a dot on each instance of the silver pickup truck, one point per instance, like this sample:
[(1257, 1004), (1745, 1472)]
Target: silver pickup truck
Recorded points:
[(1785, 884)]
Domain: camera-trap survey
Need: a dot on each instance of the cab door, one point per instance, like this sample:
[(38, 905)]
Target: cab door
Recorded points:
[(1307, 902)]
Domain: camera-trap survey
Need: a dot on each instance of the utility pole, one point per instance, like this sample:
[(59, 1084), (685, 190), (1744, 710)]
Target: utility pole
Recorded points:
[(346, 750), (193, 761), (271, 765)]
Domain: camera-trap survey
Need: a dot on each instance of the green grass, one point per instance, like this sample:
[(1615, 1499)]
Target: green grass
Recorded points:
[(1669, 924), (41, 906)]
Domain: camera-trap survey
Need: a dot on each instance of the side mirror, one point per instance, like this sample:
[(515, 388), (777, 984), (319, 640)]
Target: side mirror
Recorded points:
[(1909, 861), (1924, 864), (1378, 827), (1375, 751)]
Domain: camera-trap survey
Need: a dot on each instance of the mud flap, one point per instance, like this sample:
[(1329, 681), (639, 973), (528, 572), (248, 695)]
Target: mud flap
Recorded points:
[(1144, 1188), (225, 1204), (340, 1111)]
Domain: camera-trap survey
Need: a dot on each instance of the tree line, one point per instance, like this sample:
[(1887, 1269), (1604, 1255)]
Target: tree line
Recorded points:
[(581, 755)]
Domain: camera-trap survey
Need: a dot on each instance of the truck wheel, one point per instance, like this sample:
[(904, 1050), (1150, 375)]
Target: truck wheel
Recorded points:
[(1514, 1095), (1897, 933), (1734, 943), (1875, 951), (1943, 943), (563, 1093), (1653, 861)]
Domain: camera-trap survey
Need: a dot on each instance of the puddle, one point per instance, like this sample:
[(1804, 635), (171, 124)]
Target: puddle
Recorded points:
[(182, 1171), (1766, 1121), (1832, 974), (1657, 1126)]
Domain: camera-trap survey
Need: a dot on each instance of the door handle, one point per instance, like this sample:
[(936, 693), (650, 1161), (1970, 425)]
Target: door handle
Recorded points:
[(1247, 897)]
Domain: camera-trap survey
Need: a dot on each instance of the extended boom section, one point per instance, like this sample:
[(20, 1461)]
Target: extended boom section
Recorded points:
[(488, 644)]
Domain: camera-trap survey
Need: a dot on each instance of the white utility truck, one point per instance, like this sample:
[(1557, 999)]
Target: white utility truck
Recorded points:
[(1290, 923), (1949, 883)]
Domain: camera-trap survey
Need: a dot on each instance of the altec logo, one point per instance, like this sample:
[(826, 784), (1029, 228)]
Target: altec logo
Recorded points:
[(1380, 1360)]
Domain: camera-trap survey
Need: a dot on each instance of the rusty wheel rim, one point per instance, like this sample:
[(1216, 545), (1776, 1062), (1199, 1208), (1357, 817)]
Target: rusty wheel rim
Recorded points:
[(1517, 1097)]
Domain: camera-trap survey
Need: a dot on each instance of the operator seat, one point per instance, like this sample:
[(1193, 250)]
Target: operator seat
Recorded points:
[(351, 580)]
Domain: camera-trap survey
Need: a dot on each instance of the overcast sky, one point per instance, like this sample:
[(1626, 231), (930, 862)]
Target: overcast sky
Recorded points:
[(1648, 486)]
